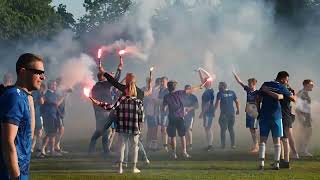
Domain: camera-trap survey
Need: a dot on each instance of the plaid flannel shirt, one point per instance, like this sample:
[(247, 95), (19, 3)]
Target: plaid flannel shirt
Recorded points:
[(130, 114)]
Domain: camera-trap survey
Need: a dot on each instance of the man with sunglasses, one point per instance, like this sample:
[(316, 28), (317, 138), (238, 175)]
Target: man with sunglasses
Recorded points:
[(17, 118)]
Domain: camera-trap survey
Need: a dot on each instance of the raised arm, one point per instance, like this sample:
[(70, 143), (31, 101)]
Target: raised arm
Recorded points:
[(113, 81), (238, 79), (104, 105), (118, 73)]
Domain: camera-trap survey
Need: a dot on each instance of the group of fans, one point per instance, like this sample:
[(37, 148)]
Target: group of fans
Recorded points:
[(173, 111), (123, 107)]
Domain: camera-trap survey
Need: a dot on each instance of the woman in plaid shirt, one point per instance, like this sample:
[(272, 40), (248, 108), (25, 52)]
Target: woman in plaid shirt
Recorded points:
[(130, 118)]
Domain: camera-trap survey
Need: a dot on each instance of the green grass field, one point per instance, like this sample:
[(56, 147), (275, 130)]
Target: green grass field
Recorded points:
[(228, 164)]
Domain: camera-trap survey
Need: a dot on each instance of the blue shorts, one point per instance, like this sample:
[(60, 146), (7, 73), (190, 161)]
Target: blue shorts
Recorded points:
[(251, 122), (151, 121), (275, 126), (207, 120), (188, 121), (163, 121)]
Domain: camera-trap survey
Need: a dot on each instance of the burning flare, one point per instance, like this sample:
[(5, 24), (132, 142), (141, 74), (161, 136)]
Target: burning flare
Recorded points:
[(122, 52), (99, 53), (86, 92), (151, 69)]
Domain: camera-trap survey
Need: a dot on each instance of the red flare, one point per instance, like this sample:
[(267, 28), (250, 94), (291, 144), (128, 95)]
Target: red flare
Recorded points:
[(86, 92), (99, 53), (122, 52)]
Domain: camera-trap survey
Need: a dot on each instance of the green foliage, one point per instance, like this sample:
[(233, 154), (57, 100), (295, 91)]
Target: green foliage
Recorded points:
[(68, 21), (28, 19), (99, 12)]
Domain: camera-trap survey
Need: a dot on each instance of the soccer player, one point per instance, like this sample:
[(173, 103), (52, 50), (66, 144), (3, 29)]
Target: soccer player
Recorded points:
[(207, 113), (17, 118), (173, 101), (303, 112), (251, 110), (225, 99), (287, 120), (270, 115), (190, 102)]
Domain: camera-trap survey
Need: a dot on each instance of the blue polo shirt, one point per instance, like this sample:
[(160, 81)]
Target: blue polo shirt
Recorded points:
[(227, 98), (271, 108), (14, 109)]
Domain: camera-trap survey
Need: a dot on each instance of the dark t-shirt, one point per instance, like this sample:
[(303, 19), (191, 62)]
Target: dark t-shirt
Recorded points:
[(286, 108), (227, 98), (174, 102), (207, 100), (190, 100)]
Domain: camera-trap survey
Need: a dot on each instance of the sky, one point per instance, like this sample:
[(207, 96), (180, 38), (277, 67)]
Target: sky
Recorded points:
[(73, 6)]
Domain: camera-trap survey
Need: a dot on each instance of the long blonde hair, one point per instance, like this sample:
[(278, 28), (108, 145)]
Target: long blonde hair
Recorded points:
[(131, 89)]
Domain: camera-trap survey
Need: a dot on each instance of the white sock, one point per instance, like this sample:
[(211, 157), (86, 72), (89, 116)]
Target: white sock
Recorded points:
[(277, 153), (262, 153)]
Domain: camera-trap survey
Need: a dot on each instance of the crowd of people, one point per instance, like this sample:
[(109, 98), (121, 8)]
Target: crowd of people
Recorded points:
[(32, 116)]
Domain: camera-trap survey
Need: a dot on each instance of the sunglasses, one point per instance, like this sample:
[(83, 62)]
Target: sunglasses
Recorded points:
[(35, 71)]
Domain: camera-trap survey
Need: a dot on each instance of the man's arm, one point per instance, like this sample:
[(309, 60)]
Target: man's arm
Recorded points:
[(258, 102), (238, 79), (194, 89), (113, 81), (272, 94), (238, 106), (118, 73), (148, 92), (32, 114), (216, 105), (9, 133)]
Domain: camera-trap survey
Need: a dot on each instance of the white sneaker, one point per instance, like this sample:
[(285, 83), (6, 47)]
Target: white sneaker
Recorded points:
[(174, 156), (186, 155), (120, 171), (306, 154), (136, 170), (166, 149), (147, 162)]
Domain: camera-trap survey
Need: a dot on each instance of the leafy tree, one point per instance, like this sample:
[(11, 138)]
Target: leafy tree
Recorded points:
[(67, 19), (31, 19), (99, 12)]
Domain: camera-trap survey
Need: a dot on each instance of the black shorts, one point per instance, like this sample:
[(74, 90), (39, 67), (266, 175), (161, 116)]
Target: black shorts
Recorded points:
[(51, 125), (176, 124)]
